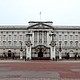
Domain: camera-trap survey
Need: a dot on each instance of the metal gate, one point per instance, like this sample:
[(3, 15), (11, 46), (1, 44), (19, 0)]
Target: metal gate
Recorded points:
[(40, 52)]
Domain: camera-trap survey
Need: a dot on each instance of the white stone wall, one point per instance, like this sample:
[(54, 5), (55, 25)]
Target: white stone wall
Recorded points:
[(10, 39)]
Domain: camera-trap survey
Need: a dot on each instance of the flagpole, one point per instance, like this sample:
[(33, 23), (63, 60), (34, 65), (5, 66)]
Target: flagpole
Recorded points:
[(40, 15)]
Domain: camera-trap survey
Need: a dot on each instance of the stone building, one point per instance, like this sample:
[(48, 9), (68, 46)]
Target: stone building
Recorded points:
[(39, 40)]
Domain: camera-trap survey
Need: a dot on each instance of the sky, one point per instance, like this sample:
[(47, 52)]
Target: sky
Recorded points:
[(61, 12)]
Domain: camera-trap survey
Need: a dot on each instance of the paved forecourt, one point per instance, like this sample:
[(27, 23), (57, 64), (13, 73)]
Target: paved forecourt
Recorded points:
[(39, 70)]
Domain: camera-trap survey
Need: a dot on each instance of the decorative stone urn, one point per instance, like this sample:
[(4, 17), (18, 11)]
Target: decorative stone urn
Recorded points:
[(53, 43), (28, 43)]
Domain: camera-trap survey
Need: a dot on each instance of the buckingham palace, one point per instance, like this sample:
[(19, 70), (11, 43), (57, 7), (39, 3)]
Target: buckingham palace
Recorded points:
[(39, 40)]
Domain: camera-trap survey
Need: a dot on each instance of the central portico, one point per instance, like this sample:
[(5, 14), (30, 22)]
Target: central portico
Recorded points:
[(40, 43)]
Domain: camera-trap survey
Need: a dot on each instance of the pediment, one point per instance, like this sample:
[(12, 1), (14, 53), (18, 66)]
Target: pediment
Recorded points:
[(40, 25)]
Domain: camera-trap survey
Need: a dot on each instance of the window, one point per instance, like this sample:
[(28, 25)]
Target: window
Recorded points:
[(71, 37), (4, 37), (4, 43), (1, 32), (65, 43), (73, 32), (60, 37), (9, 42), (71, 43), (28, 38), (78, 32), (62, 32), (67, 32), (23, 32), (12, 32), (76, 37), (9, 37), (15, 37), (15, 42), (76, 43), (65, 37), (20, 37), (17, 32), (6, 32), (45, 37)]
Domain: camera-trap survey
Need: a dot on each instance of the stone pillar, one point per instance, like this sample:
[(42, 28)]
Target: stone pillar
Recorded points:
[(21, 54), (53, 56), (60, 55), (28, 53)]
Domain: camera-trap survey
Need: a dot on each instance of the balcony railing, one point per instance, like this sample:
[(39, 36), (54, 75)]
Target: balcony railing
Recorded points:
[(11, 47), (68, 47)]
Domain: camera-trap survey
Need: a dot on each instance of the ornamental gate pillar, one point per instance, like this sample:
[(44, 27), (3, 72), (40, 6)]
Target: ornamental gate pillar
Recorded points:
[(28, 52), (53, 51), (28, 47)]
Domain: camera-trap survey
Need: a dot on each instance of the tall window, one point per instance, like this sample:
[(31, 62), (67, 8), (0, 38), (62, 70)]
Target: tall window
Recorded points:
[(76, 37), (71, 43), (15, 42), (45, 37), (59, 37), (9, 42), (20, 37), (65, 43), (76, 43), (28, 37), (15, 37), (71, 37), (4, 43), (4, 37), (9, 37), (65, 37)]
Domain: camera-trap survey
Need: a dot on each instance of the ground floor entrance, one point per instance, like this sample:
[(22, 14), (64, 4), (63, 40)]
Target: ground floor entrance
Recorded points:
[(40, 52)]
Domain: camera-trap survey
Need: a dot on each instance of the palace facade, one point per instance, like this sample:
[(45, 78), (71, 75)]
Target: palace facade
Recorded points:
[(39, 40)]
